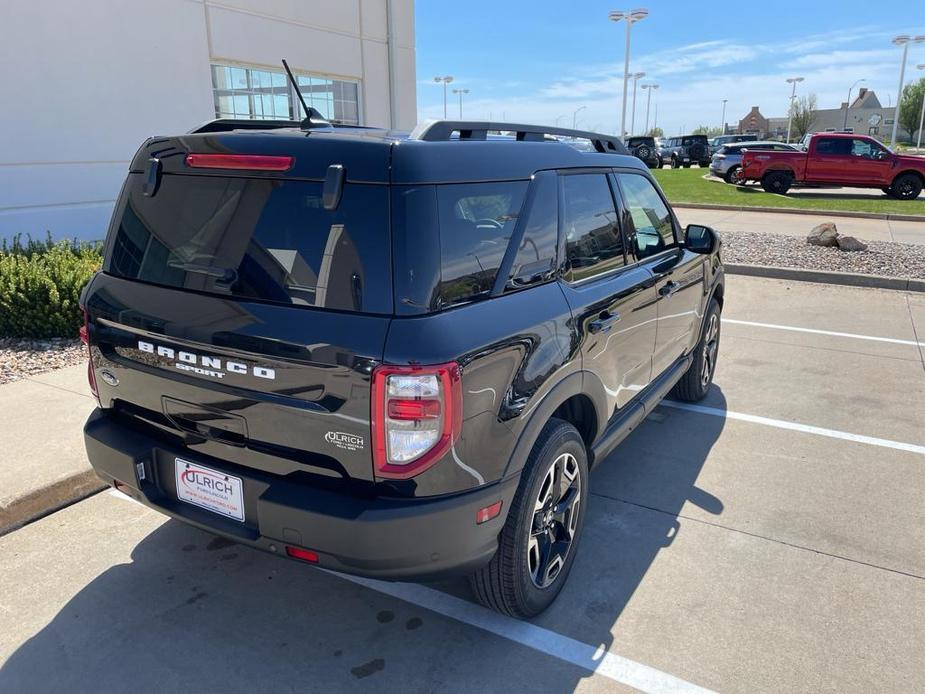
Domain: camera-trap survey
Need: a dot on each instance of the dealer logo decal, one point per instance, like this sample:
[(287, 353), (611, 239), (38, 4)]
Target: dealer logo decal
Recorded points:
[(349, 442)]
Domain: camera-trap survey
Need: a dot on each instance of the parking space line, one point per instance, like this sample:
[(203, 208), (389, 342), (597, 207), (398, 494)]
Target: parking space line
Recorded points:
[(832, 333), (583, 655), (796, 426)]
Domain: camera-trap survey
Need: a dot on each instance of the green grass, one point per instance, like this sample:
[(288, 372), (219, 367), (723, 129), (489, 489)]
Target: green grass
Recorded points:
[(688, 185)]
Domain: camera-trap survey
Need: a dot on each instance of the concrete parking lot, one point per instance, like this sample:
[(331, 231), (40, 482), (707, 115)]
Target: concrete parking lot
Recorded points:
[(769, 539)]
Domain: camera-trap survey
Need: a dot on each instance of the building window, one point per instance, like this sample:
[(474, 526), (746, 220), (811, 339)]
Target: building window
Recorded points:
[(253, 93)]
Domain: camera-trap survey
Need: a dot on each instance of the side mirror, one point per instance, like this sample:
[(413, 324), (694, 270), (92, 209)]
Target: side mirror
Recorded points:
[(701, 239)]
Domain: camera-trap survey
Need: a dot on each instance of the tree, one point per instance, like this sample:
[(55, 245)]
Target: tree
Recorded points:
[(708, 130), (656, 132), (802, 115), (910, 107)]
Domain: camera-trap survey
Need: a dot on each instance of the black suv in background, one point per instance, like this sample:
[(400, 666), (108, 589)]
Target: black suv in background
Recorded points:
[(685, 150), (391, 355), (644, 148)]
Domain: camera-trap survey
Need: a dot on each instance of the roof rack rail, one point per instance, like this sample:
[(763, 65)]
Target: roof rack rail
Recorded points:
[(439, 130)]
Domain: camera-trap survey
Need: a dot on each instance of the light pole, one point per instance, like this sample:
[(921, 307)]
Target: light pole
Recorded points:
[(445, 81), (903, 41), (636, 77), (558, 118), (648, 88), (460, 92), (575, 116), (723, 123), (848, 103), (793, 95), (630, 17), (918, 144)]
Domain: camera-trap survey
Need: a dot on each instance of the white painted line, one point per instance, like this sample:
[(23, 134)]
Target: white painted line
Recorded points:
[(795, 426), (792, 328), (124, 497), (592, 658)]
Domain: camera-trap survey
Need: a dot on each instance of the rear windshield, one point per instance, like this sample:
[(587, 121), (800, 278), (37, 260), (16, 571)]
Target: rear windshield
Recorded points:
[(263, 239)]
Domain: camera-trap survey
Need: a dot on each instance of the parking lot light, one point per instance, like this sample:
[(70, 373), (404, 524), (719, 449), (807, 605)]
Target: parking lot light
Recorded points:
[(575, 116), (630, 17), (460, 92), (636, 77), (903, 41), (723, 122), (445, 81), (649, 88), (793, 95), (918, 144), (848, 102)]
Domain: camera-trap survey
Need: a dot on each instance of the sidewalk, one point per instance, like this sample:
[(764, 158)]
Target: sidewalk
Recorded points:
[(43, 464), (801, 224)]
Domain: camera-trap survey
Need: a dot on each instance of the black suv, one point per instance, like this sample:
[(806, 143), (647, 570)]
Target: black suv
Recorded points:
[(644, 148), (386, 354), (685, 150)]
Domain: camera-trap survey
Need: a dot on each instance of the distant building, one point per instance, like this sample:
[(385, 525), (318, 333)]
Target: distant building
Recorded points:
[(865, 115)]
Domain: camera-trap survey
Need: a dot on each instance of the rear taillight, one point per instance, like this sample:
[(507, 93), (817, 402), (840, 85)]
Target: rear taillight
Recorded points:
[(84, 334), (416, 417), (252, 162)]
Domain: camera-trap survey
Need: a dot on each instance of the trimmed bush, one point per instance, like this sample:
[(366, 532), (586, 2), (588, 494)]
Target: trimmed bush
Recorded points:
[(40, 285)]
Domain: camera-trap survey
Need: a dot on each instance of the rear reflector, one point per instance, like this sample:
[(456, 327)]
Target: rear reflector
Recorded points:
[(251, 162), (487, 513), (303, 554), (84, 334)]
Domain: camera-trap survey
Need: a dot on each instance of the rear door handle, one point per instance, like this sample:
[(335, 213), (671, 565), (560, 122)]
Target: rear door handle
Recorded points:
[(669, 289), (604, 322)]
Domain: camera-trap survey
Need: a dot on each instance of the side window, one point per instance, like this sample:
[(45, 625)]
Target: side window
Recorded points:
[(476, 222), (593, 242), (652, 225), (536, 255), (833, 145), (864, 149)]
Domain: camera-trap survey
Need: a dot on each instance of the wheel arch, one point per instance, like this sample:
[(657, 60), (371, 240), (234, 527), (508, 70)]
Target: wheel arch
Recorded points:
[(914, 172), (579, 399)]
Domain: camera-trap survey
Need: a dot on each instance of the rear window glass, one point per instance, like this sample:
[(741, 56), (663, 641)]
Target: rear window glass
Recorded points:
[(476, 221), (261, 239)]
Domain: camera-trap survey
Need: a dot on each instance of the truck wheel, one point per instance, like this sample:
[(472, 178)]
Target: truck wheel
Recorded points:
[(675, 164), (732, 176), (777, 182), (687, 165), (695, 383), (906, 186), (537, 546)]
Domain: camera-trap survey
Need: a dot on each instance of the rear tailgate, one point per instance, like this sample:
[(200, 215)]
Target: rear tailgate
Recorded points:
[(240, 316)]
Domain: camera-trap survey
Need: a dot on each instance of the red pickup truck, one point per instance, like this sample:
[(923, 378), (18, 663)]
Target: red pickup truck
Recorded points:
[(840, 159)]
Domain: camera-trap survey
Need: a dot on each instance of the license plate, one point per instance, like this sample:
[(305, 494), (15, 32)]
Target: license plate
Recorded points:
[(210, 489)]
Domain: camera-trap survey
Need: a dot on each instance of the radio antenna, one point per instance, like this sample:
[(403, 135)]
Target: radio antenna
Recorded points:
[(313, 118)]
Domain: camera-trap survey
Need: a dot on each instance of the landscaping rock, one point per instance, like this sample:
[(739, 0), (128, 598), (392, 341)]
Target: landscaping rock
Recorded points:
[(825, 234), (849, 243)]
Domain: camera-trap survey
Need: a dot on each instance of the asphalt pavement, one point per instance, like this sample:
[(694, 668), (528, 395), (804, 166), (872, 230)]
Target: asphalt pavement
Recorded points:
[(768, 539)]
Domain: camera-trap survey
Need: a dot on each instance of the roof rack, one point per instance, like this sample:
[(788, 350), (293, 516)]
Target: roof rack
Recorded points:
[(441, 130)]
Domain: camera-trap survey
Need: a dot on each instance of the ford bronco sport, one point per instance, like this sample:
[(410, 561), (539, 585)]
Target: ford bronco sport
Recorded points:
[(387, 354)]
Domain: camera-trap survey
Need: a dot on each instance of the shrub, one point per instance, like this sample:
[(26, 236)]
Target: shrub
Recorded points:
[(40, 284)]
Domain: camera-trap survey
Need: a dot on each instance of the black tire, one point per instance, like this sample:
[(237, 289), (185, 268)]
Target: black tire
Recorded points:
[(778, 182), (687, 165), (675, 164), (643, 152), (660, 164), (509, 583), (906, 186), (695, 383), (732, 175), (888, 191)]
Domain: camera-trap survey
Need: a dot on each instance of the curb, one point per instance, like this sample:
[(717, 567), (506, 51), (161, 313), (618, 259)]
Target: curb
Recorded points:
[(826, 277), (792, 210), (40, 502)]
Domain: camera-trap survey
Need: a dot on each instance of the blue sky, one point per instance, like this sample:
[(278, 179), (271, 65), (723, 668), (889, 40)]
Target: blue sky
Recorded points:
[(534, 61)]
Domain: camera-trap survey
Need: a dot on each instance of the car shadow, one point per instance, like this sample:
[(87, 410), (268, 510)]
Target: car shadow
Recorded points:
[(191, 611)]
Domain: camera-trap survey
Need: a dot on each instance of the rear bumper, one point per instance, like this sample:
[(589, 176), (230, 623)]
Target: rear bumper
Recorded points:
[(379, 538)]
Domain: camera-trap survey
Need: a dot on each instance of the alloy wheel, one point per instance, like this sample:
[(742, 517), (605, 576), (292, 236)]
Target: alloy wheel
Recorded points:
[(710, 346), (555, 520)]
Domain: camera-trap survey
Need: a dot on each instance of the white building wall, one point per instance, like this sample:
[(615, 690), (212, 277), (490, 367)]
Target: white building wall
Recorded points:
[(85, 82)]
